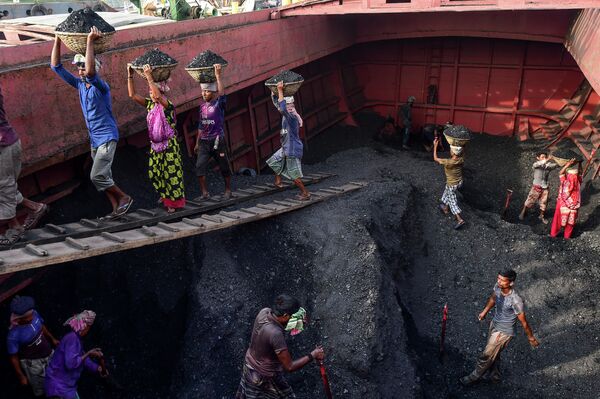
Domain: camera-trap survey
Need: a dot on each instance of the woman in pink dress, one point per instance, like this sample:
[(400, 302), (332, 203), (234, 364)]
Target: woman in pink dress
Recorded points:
[(569, 199)]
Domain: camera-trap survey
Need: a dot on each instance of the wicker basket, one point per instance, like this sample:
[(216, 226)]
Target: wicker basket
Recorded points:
[(204, 74), (289, 89), (160, 73), (77, 42), (456, 142)]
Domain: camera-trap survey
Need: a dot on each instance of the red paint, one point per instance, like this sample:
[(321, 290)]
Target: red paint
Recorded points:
[(325, 379), (443, 334)]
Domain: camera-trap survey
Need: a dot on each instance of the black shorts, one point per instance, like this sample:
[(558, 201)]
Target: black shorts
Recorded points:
[(206, 151)]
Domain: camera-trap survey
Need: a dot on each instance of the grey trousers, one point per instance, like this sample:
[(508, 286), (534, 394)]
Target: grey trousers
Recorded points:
[(35, 371), (489, 361), (101, 174), (10, 168)]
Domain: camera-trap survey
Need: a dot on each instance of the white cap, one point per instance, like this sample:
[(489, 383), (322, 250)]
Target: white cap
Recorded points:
[(289, 99), (209, 86)]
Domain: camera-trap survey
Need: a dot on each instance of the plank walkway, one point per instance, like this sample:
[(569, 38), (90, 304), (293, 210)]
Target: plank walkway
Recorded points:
[(146, 217), (103, 242)]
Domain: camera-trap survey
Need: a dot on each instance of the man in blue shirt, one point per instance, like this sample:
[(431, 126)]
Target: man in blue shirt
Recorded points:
[(96, 104), (29, 344)]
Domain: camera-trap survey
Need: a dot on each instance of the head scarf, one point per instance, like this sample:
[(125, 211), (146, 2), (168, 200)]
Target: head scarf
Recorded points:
[(209, 86), (80, 321), (296, 323), (456, 150), (80, 59), (163, 87), (411, 99)]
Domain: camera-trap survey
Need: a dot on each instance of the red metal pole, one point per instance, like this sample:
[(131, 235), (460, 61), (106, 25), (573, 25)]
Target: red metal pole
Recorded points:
[(509, 193), (325, 381), (444, 319)]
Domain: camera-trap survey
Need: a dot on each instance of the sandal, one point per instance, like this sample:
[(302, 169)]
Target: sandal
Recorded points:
[(301, 197), (459, 225), (122, 209), (33, 219), (11, 236), (171, 210)]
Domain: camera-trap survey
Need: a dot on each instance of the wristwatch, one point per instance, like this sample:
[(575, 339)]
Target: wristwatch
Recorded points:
[(310, 357)]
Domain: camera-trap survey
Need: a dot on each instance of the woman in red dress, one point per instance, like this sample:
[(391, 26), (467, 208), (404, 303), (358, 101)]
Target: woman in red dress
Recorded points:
[(568, 201)]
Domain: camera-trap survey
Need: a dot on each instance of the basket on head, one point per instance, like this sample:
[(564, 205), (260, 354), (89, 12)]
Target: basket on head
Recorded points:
[(160, 73), (77, 42), (204, 74), (289, 89), (563, 155), (456, 142)]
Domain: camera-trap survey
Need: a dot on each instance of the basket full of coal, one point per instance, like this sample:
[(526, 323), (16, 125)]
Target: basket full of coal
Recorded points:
[(564, 155), (161, 63), (202, 67), (74, 30), (291, 82), (457, 135)]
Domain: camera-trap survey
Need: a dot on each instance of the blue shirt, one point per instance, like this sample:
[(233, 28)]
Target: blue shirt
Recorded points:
[(290, 132), (27, 340), (508, 307), (65, 368), (96, 105)]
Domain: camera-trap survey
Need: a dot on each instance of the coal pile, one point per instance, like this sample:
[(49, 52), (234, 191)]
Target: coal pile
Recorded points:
[(458, 132), (82, 21), (154, 57), (206, 59), (285, 77)]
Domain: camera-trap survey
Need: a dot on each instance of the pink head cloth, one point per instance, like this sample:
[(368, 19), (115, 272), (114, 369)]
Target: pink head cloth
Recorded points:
[(80, 321)]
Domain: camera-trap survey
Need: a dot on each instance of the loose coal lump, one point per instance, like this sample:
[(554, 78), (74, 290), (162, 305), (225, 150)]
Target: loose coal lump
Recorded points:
[(82, 21), (458, 132), (154, 57), (285, 77), (206, 59)]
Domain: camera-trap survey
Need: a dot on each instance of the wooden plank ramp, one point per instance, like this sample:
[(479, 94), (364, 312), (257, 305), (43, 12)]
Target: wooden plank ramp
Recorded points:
[(147, 217), (39, 255)]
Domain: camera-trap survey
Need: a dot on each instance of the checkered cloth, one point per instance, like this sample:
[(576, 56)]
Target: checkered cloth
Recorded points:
[(255, 386), (288, 167), (449, 198)]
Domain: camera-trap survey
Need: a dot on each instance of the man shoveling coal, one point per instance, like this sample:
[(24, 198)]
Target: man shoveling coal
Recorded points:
[(268, 355)]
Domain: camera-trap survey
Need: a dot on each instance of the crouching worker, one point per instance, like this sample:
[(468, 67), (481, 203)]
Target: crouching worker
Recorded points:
[(539, 190), (210, 142), (29, 344), (453, 168), (164, 164), (96, 104), (69, 359), (268, 353), (286, 161)]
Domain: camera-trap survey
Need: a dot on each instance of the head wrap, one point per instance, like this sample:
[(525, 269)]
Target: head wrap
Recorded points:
[(163, 87), (80, 59), (289, 99), (456, 150), (20, 307), (209, 86), (80, 321), (411, 99), (296, 322)]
